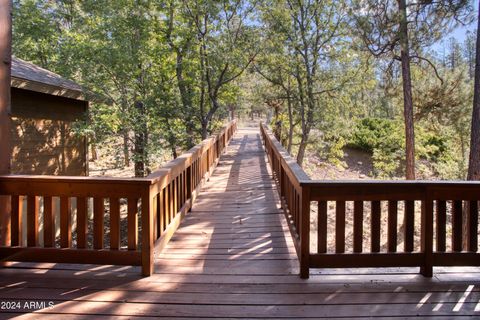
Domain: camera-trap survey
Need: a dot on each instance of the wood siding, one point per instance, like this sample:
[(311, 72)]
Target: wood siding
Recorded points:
[(42, 139)]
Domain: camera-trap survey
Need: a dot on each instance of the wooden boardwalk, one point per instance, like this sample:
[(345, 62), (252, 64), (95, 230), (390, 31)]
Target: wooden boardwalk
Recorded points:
[(233, 257)]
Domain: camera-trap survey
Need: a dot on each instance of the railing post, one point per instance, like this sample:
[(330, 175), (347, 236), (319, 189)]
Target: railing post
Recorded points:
[(305, 232), (427, 235), (147, 233)]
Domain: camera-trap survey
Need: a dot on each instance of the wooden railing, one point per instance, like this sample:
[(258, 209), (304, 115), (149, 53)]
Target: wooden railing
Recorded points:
[(105, 220), (424, 223)]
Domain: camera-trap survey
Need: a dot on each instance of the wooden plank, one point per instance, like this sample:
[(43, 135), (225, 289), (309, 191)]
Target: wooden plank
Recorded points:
[(82, 222), (347, 311), (340, 227), (48, 223), (65, 223), (32, 221), (132, 221), (392, 225), (114, 223), (322, 227), (16, 220), (456, 259), (98, 220), (375, 226), (472, 226), (216, 298), (56, 255), (362, 260), (71, 186), (457, 220), (358, 226), (409, 226), (441, 225)]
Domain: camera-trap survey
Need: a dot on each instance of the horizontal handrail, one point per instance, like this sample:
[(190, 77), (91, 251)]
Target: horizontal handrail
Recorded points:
[(415, 214), (63, 219)]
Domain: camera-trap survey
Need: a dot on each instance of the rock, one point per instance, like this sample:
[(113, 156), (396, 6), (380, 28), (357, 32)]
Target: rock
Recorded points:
[(359, 163), (362, 176)]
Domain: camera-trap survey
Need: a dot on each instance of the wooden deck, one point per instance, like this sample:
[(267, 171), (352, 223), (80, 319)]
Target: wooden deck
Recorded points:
[(233, 257)]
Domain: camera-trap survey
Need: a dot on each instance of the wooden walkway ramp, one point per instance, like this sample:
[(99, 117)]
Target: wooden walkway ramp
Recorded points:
[(231, 258), (236, 226)]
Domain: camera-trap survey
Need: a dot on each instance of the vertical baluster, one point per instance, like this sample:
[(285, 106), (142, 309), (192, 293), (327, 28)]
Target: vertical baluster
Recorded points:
[(322, 227), (457, 225), (167, 205), (304, 213), (472, 226), (358, 226), (177, 196), (82, 222), (392, 225), (114, 223), (171, 196), (98, 218), (32, 221), (294, 196), (65, 223), (158, 214), (441, 225), (48, 223), (182, 189), (188, 182), (132, 221), (155, 219), (375, 226), (340, 227), (163, 209), (426, 240), (294, 207), (196, 173), (16, 221), (409, 225), (299, 208)]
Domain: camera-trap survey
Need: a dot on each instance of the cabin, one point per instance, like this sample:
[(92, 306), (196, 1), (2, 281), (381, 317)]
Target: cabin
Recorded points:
[(44, 108)]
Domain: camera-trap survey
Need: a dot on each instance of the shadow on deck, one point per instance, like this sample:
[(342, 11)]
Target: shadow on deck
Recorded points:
[(233, 257)]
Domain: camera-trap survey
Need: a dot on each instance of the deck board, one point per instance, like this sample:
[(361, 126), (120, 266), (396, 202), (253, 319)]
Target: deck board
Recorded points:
[(232, 258)]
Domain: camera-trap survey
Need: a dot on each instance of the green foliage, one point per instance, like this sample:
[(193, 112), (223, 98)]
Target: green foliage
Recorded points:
[(384, 139), (172, 72)]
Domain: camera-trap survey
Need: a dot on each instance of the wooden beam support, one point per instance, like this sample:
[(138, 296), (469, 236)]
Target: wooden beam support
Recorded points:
[(5, 110)]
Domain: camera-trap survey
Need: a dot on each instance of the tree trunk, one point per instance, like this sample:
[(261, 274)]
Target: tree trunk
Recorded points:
[(5, 107), (204, 129), (407, 94), (290, 125), (93, 151), (140, 141), (474, 159), (171, 139), (126, 152), (185, 96), (301, 149)]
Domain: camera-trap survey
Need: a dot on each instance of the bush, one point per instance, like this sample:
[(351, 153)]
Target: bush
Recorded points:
[(385, 140)]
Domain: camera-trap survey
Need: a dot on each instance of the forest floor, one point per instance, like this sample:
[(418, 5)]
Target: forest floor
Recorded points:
[(358, 166)]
